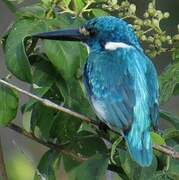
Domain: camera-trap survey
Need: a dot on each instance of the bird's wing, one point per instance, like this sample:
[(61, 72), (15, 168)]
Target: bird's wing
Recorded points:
[(115, 81), (110, 88), (153, 90), (122, 87)]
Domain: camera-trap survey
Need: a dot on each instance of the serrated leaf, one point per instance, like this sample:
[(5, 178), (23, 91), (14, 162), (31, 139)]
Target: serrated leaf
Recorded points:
[(15, 56), (171, 118), (175, 55), (94, 168), (47, 166), (168, 81), (8, 106), (157, 139)]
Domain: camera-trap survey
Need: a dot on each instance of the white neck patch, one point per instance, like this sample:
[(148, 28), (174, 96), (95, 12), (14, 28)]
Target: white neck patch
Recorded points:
[(111, 46)]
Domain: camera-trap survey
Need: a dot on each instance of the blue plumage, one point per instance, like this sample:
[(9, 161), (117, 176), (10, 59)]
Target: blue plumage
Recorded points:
[(122, 85), (121, 82)]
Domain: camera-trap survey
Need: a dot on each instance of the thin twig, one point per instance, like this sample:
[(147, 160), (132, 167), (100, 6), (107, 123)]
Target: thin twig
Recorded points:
[(167, 150), (58, 148), (164, 149), (3, 173), (48, 103)]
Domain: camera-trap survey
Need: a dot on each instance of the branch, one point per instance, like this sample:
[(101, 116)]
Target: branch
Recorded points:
[(164, 149), (167, 150), (3, 173), (50, 104), (56, 147)]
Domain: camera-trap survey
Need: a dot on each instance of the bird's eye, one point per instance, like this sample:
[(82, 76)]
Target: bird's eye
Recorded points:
[(92, 31)]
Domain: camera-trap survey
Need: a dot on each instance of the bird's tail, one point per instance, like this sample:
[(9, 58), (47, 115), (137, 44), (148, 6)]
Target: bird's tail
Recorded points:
[(140, 148)]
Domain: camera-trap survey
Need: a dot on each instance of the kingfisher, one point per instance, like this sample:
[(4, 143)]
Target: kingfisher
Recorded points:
[(120, 81)]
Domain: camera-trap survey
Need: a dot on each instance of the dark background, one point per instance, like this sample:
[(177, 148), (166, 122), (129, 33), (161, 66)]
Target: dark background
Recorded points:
[(22, 154)]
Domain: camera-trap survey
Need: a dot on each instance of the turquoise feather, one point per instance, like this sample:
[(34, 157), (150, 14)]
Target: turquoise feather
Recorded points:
[(122, 86)]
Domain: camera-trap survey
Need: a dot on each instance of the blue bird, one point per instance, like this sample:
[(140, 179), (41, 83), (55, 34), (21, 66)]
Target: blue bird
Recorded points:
[(120, 81)]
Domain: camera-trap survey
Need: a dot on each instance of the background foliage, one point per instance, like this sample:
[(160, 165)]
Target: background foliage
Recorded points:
[(53, 71)]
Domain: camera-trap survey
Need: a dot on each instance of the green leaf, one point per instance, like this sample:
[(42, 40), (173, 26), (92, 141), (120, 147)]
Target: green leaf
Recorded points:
[(34, 11), (64, 127), (86, 144), (157, 139), (160, 175), (43, 75), (79, 4), (168, 81), (68, 59), (65, 3), (175, 53), (42, 119), (47, 3), (132, 169), (171, 118), (47, 166), (15, 56), (65, 56), (92, 169), (43, 78), (99, 12), (16, 1), (174, 166), (8, 106), (171, 134), (114, 148)]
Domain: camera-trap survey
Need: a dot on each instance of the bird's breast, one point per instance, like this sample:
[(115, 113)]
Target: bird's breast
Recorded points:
[(103, 72)]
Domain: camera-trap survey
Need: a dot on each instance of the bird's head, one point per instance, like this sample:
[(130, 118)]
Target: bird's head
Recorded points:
[(96, 33)]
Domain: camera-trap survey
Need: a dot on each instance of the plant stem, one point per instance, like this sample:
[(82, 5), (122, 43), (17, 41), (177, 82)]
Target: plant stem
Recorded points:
[(3, 173), (167, 150), (48, 103), (164, 149), (58, 148)]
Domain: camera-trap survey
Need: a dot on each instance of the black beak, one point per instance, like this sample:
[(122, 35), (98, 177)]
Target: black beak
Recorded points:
[(63, 35)]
